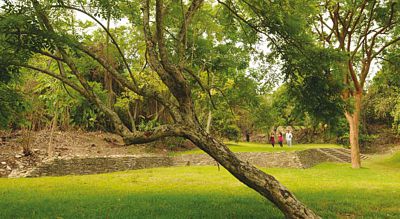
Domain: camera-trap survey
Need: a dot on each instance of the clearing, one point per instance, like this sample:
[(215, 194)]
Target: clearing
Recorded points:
[(331, 189)]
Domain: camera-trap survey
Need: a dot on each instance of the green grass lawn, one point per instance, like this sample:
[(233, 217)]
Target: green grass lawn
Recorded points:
[(333, 190), (393, 160), (262, 147)]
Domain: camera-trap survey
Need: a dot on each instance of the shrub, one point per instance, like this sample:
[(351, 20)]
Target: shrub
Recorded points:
[(231, 132)]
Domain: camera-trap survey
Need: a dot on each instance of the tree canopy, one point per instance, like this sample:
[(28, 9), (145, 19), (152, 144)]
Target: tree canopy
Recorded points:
[(195, 70)]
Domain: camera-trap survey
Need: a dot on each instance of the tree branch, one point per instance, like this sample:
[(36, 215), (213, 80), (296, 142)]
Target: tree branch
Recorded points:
[(224, 96), (354, 76), (119, 126), (362, 39), (255, 28), (63, 79), (389, 23), (198, 80), (108, 33), (159, 132), (50, 55), (194, 6), (385, 46), (171, 76), (363, 4), (168, 66), (145, 91)]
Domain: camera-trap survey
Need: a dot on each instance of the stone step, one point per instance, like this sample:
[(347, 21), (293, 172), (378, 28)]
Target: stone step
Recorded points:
[(328, 152), (341, 154), (348, 151)]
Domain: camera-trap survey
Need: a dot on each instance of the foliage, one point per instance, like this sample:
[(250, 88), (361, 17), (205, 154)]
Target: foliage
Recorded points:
[(12, 104), (232, 132), (382, 101), (182, 43), (396, 117), (147, 125), (316, 83), (313, 77), (286, 108), (12, 107), (221, 50), (58, 100)]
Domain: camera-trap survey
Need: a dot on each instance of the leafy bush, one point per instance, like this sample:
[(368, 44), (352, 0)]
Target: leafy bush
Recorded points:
[(149, 125), (364, 139), (232, 132), (11, 108), (396, 117)]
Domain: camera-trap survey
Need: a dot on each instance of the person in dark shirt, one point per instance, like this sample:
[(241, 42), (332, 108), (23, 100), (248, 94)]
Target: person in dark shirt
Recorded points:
[(272, 139)]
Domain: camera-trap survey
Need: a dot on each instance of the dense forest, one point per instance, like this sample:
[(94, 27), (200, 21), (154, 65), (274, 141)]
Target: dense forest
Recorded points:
[(205, 71)]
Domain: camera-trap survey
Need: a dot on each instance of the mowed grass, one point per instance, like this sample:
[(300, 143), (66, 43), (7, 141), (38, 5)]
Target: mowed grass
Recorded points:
[(333, 190), (393, 160), (264, 147)]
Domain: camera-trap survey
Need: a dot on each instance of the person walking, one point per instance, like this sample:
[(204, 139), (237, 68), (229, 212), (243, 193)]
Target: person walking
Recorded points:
[(289, 137), (280, 139), (272, 139)]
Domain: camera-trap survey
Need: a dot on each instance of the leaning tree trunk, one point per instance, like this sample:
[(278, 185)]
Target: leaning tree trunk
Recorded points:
[(183, 113), (264, 184), (354, 122)]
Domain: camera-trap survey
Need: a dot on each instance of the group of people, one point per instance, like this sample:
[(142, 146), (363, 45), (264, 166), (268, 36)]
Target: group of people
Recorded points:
[(288, 136)]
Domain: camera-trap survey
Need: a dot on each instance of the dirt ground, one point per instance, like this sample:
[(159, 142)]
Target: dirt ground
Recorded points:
[(72, 143), (64, 144)]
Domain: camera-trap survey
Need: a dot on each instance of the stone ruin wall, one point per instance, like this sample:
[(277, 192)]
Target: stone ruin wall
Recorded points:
[(95, 165)]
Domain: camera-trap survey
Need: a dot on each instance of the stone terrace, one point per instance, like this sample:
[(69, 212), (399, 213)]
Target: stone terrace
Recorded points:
[(94, 165)]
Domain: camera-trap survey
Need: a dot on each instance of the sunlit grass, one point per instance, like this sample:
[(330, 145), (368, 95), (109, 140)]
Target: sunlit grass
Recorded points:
[(392, 160), (263, 147), (333, 190)]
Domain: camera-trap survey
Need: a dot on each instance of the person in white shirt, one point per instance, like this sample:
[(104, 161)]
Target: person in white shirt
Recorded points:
[(289, 137)]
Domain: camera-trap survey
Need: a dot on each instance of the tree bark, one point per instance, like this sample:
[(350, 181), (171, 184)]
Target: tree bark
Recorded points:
[(132, 118), (191, 129), (108, 80), (263, 183), (50, 148), (354, 122), (209, 120), (182, 109)]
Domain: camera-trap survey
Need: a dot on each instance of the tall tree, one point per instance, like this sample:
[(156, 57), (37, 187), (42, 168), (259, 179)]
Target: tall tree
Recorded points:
[(362, 30), (165, 37)]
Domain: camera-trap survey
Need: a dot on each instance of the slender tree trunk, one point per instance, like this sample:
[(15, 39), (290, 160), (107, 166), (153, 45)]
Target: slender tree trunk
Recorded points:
[(72, 20), (50, 148), (354, 123), (135, 113), (108, 80), (131, 117), (263, 183), (156, 112), (209, 120)]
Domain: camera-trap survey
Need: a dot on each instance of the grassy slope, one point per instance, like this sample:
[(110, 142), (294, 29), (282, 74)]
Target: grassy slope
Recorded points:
[(333, 190), (393, 160), (261, 147)]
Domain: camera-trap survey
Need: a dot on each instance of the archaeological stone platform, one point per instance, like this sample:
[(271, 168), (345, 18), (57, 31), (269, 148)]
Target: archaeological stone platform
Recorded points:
[(95, 165)]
